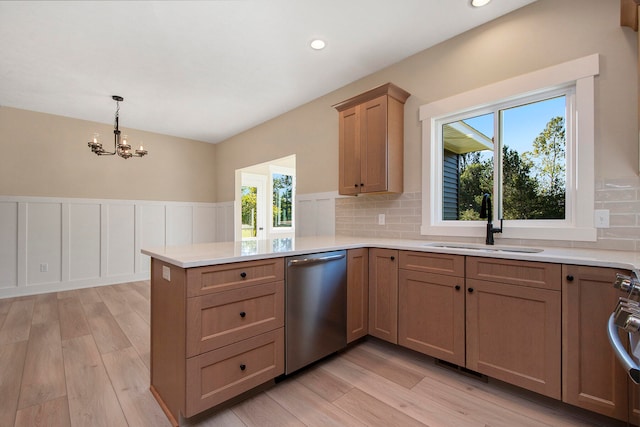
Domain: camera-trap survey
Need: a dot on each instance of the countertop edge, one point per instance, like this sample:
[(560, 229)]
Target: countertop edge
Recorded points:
[(200, 255)]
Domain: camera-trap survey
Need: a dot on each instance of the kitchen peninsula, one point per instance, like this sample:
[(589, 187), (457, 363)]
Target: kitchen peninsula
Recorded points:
[(217, 314)]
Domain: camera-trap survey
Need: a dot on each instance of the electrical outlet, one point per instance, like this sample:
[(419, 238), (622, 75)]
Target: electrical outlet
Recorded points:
[(44, 268), (166, 273), (380, 219), (601, 218)]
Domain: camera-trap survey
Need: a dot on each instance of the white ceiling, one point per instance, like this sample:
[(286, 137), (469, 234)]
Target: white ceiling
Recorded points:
[(208, 70)]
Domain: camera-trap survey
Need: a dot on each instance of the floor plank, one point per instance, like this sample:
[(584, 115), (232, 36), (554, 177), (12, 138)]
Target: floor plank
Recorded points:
[(138, 303), (106, 331), (397, 396), (115, 300), (130, 379), (17, 324), (324, 384), (45, 309), (88, 296), (43, 377), (143, 287), (263, 411), (401, 375), (92, 400), (12, 358), (372, 411), (308, 407), (137, 331), (73, 322), (53, 413)]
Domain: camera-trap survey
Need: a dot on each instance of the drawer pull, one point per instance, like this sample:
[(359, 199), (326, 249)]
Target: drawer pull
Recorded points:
[(457, 287), (243, 367), (470, 290), (243, 274), (242, 314), (569, 278)]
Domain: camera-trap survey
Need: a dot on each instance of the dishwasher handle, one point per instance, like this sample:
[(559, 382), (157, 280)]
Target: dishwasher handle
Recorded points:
[(304, 261), (627, 362)]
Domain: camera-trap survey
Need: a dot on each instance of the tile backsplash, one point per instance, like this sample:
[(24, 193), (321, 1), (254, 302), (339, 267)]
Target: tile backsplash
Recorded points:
[(358, 217)]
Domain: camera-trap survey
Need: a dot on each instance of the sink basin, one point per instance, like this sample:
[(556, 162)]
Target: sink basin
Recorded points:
[(484, 248)]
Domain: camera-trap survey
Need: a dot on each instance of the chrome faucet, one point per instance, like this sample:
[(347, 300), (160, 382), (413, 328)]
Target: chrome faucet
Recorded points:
[(485, 212)]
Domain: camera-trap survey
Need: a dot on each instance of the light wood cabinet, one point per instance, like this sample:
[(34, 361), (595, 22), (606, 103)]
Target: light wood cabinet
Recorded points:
[(431, 305), (513, 322), (592, 378), (357, 293), (383, 294), (216, 332), (371, 141)]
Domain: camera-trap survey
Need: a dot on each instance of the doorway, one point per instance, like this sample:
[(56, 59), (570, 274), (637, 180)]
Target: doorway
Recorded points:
[(265, 200)]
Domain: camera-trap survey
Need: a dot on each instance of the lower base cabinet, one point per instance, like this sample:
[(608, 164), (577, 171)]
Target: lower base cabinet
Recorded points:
[(592, 377), (357, 293), (383, 294)]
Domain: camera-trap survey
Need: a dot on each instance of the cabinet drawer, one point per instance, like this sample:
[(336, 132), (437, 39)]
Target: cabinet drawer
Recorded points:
[(219, 278), (219, 375), (522, 273), (220, 319), (451, 265)]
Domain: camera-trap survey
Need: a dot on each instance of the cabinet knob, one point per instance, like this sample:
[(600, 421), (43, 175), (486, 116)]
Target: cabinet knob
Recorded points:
[(242, 314), (361, 184), (243, 274), (392, 258), (357, 185), (243, 367), (457, 287), (470, 290), (569, 278)]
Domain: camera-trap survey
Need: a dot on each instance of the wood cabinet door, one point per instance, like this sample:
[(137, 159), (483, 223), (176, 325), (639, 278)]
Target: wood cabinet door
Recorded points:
[(357, 293), (349, 155), (383, 294), (431, 315), (373, 145), (592, 378), (513, 334)]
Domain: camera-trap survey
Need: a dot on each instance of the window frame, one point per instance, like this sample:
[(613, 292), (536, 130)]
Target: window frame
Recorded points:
[(281, 170), (578, 224)]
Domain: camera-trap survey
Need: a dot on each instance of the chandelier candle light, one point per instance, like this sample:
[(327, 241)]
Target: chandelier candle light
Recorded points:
[(121, 148)]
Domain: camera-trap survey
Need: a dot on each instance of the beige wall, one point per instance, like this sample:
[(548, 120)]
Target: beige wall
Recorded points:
[(47, 155), (545, 33)]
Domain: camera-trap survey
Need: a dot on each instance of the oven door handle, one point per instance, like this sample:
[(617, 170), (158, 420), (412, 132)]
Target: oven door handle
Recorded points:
[(621, 353)]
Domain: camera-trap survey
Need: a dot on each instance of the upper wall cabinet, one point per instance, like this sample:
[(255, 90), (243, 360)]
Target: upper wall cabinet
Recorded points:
[(371, 141), (630, 17)]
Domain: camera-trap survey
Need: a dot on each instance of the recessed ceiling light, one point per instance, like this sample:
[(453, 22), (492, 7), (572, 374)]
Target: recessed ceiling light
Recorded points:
[(479, 3), (318, 44)]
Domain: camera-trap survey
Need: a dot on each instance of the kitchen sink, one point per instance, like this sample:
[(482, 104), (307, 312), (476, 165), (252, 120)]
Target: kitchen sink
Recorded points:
[(484, 248)]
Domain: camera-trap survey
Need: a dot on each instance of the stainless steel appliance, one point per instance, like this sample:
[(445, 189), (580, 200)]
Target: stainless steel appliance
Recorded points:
[(626, 316), (316, 307)]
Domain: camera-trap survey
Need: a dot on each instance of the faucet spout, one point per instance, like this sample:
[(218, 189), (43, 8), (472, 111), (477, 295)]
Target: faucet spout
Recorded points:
[(486, 212)]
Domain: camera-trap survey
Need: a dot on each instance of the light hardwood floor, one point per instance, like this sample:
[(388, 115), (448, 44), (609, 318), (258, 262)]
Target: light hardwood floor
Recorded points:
[(81, 358)]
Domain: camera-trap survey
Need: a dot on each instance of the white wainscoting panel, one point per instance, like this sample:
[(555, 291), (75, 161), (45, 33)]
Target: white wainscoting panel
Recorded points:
[(316, 214), (120, 239), (179, 225), (8, 244), (84, 241), (44, 243), (204, 224), (152, 226), (224, 222), (91, 242)]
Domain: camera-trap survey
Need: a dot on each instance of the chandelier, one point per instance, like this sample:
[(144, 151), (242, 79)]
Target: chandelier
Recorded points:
[(120, 147)]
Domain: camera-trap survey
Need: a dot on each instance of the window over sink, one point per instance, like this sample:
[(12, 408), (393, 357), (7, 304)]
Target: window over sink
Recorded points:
[(527, 141)]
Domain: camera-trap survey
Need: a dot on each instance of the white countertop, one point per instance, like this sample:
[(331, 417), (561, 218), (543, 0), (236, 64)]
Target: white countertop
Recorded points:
[(198, 255)]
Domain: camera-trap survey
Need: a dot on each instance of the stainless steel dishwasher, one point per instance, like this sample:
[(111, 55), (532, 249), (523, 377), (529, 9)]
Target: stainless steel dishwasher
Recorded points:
[(316, 307)]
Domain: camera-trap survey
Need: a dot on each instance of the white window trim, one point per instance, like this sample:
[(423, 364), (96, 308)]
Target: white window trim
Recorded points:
[(579, 225), (282, 171)]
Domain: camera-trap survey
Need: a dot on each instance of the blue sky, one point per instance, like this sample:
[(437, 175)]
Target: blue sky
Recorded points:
[(521, 125)]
